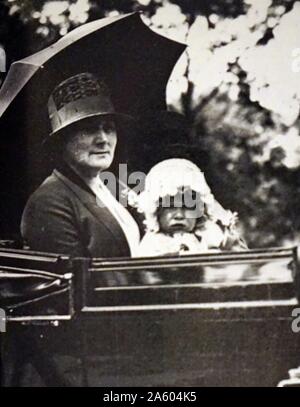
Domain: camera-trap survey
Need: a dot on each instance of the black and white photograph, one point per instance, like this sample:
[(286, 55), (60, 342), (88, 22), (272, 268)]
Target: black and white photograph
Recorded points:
[(149, 195)]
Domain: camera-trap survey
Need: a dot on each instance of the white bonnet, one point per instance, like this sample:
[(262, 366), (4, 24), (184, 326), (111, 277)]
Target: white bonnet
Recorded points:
[(166, 179)]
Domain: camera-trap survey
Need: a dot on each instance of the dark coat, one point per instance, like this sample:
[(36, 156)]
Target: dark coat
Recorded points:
[(63, 216)]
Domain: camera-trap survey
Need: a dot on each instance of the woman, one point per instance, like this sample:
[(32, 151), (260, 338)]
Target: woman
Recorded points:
[(73, 212)]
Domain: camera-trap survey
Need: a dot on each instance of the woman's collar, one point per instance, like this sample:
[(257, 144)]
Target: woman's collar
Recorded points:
[(69, 173)]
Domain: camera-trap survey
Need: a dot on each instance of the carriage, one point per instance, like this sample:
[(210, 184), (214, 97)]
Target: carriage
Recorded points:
[(214, 319)]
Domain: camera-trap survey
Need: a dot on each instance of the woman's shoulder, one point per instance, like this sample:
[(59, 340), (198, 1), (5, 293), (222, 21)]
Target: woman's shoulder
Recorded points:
[(51, 191)]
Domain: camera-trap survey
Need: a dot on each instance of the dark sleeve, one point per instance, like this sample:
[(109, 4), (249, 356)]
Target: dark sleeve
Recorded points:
[(49, 225)]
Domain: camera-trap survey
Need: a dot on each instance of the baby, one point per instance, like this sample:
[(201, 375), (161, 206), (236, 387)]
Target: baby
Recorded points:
[(181, 214)]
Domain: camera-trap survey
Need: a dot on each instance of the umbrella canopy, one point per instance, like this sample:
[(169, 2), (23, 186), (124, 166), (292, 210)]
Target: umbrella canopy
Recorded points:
[(135, 62)]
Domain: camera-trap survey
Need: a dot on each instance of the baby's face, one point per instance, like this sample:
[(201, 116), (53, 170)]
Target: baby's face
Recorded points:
[(174, 216), (172, 220)]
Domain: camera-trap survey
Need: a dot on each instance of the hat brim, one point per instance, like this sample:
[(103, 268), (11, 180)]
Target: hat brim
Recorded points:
[(121, 119)]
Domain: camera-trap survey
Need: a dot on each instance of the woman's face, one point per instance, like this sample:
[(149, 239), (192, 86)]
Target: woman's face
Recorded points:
[(91, 146)]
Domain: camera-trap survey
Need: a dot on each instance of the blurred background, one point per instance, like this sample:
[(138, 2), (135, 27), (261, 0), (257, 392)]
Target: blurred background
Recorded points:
[(238, 85)]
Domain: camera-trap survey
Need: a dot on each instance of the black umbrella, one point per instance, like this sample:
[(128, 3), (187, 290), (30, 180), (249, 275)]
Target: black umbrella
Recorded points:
[(135, 61)]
